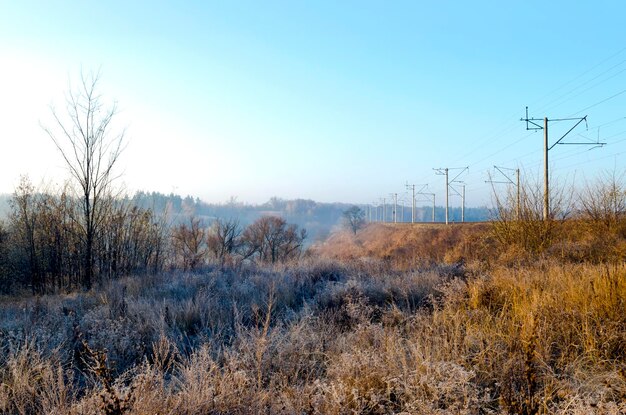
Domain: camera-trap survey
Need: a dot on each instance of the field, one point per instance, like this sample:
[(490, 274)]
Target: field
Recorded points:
[(414, 319)]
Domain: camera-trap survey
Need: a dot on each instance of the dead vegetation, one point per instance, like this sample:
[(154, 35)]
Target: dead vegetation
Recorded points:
[(325, 337), (396, 319)]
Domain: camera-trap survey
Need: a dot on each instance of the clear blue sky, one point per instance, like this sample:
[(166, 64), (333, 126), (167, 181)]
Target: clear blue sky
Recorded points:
[(328, 100)]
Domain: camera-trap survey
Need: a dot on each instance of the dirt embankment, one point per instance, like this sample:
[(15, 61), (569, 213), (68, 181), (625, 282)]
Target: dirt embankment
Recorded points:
[(409, 244)]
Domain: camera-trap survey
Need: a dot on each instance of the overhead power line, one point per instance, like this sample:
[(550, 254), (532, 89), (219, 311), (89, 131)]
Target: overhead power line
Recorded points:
[(533, 124), (600, 102), (445, 172)]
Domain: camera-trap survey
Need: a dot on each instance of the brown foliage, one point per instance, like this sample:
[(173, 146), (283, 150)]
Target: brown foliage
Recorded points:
[(367, 324), (408, 246), (189, 244), (46, 247), (271, 240), (541, 339), (224, 239)]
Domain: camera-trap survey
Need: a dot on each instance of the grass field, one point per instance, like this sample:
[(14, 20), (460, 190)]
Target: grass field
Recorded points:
[(419, 319)]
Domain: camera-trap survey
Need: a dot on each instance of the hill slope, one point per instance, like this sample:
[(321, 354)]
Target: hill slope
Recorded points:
[(408, 245)]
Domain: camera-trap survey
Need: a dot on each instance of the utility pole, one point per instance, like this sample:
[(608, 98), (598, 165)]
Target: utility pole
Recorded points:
[(402, 205), (546, 188), (515, 183), (384, 210), (444, 171), (462, 194), (412, 187), (421, 193), (519, 199), (463, 205), (531, 124), (447, 195), (433, 218), (395, 206)]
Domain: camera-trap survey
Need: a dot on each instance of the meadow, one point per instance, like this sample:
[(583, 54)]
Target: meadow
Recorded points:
[(413, 319)]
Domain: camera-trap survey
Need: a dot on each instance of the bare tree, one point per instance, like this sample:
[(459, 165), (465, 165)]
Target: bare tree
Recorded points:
[(523, 225), (223, 238), (24, 217), (83, 135), (604, 202), (189, 244), (5, 281), (354, 219), (272, 239)]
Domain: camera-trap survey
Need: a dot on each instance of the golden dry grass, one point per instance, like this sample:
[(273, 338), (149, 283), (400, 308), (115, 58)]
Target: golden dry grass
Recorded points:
[(375, 324), (409, 245)]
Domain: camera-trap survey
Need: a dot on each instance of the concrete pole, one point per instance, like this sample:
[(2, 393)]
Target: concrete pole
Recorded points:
[(384, 210), (546, 188), (518, 196), (463, 205), (395, 208), (447, 195), (413, 210)]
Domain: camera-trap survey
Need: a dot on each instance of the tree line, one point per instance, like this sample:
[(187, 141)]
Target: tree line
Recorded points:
[(43, 247), (87, 233)]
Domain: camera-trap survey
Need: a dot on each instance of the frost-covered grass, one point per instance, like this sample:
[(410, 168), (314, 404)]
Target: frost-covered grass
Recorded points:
[(325, 336)]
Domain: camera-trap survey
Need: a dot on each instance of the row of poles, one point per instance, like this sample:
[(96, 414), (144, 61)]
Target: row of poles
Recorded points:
[(454, 185)]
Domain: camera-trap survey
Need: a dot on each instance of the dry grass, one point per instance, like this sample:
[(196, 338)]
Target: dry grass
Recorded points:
[(388, 330), (407, 246)]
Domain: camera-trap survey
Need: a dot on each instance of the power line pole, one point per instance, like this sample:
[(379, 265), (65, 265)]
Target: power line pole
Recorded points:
[(421, 193), (463, 204), (444, 171), (515, 183), (447, 195), (395, 207), (518, 213), (441, 172), (433, 218), (546, 188), (402, 205), (412, 187), (462, 194), (384, 212), (531, 124)]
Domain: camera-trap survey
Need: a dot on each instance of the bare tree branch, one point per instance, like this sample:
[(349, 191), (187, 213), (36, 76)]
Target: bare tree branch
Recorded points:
[(90, 152)]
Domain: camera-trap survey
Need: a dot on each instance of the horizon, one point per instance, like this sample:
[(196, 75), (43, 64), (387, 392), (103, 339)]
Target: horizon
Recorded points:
[(243, 203), (335, 103)]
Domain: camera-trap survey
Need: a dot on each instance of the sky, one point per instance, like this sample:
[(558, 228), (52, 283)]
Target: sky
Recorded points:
[(341, 101)]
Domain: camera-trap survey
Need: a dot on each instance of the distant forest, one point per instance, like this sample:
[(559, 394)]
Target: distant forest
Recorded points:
[(317, 218)]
